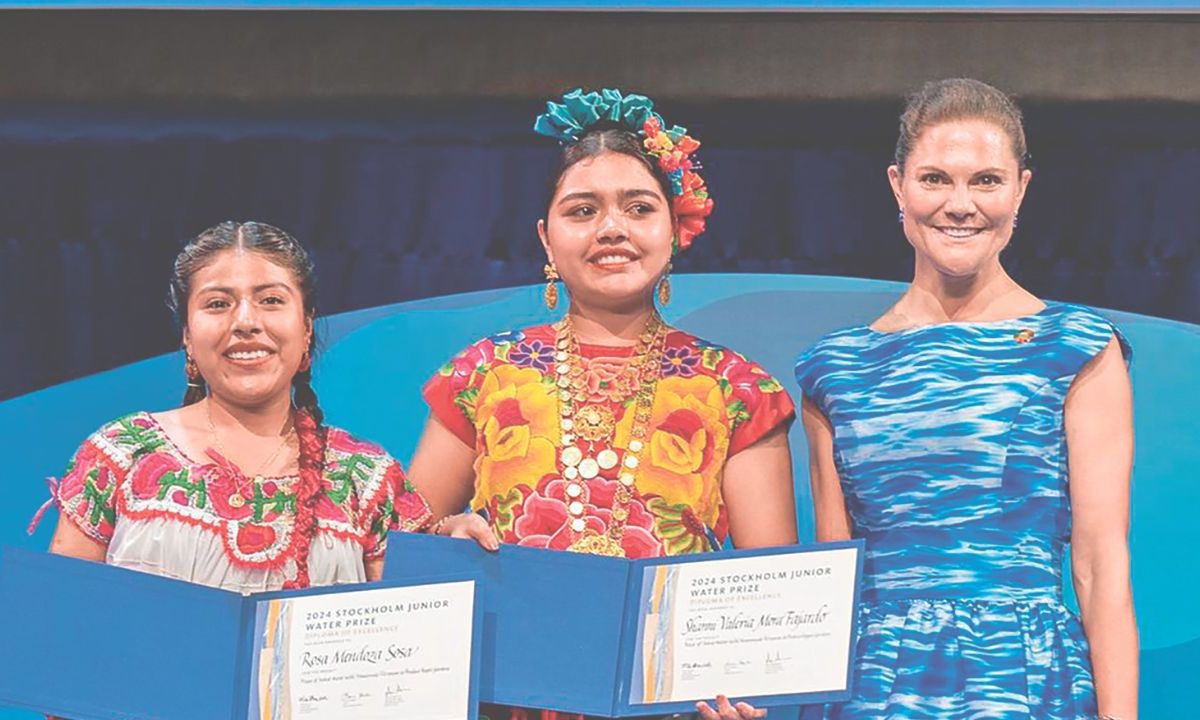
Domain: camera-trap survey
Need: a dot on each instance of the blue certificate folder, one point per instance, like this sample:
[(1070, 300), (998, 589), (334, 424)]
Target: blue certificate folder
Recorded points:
[(87, 641), (560, 628)]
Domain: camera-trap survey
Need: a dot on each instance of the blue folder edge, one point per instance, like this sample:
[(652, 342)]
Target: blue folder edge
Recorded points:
[(629, 650), (27, 624), (409, 555), (584, 597)]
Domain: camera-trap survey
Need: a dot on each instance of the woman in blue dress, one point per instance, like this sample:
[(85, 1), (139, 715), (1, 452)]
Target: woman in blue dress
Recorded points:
[(971, 435)]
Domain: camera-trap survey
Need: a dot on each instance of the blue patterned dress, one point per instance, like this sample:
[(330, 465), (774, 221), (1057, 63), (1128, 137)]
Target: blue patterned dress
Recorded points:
[(950, 448)]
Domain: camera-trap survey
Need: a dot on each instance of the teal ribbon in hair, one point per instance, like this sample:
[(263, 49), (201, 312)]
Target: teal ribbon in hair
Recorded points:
[(569, 120)]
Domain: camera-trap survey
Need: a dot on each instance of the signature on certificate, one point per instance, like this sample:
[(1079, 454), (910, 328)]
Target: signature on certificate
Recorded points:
[(775, 663), (355, 699), (393, 695)]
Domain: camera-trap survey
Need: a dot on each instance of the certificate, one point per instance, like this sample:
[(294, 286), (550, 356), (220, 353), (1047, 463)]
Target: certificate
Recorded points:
[(365, 655), (396, 649), (613, 637), (745, 627)]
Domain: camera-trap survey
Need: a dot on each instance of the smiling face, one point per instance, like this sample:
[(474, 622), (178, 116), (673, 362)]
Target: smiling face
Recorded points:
[(246, 328), (608, 232), (960, 190)]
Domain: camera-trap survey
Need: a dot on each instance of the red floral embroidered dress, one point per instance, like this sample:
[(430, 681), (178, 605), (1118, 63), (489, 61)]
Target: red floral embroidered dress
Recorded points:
[(159, 511), (499, 396)]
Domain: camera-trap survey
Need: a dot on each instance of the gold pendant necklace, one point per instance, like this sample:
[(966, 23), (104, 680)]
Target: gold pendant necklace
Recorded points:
[(238, 499), (592, 424)]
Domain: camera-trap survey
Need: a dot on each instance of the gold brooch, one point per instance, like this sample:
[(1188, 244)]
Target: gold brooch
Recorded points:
[(1023, 336), (594, 422)]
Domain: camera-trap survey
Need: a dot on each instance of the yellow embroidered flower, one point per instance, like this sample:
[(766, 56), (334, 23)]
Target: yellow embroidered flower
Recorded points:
[(517, 430), (686, 446)]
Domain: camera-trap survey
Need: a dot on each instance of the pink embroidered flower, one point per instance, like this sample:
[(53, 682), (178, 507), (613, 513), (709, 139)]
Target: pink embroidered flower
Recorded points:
[(606, 379), (541, 516), (344, 442), (146, 475), (327, 509)]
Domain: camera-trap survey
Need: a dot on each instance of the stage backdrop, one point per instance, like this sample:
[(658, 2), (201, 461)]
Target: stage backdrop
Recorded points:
[(376, 360), (413, 200)]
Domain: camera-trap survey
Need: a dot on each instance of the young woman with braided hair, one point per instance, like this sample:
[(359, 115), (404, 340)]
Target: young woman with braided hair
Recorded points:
[(243, 487)]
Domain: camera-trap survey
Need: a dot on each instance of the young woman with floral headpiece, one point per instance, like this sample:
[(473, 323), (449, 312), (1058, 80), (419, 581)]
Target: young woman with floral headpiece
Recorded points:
[(243, 487), (610, 432)]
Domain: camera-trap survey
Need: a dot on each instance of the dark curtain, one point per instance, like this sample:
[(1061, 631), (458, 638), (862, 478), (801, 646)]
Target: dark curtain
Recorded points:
[(429, 199)]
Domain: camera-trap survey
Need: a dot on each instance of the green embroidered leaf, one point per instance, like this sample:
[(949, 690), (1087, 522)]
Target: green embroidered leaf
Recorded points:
[(343, 477), (142, 440), (726, 386), (98, 499), (711, 357), (737, 413), (465, 400), (769, 385), (506, 509)]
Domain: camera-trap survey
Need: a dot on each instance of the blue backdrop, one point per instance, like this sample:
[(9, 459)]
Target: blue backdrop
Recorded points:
[(376, 360)]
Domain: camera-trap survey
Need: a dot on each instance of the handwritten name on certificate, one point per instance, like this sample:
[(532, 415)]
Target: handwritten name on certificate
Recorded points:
[(775, 624), (365, 654)]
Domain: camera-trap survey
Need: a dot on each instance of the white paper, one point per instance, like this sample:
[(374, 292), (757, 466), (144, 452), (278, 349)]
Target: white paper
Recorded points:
[(775, 624), (366, 654)]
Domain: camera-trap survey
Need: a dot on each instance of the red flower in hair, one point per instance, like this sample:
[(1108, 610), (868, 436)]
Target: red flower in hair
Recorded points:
[(672, 149)]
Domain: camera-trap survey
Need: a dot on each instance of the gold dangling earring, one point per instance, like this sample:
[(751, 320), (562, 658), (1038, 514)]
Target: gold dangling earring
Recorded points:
[(192, 371), (664, 287), (550, 294)]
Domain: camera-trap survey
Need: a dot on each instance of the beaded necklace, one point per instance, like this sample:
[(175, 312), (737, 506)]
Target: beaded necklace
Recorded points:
[(587, 432)]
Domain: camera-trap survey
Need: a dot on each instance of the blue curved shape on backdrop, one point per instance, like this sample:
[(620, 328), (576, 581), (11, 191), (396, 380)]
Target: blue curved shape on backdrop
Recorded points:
[(376, 360)]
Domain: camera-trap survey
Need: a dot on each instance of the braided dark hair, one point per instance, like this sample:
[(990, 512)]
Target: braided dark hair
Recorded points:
[(312, 481), (278, 247), (283, 250)]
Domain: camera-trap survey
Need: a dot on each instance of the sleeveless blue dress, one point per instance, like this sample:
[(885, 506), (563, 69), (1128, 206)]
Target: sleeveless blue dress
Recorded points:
[(951, 452)]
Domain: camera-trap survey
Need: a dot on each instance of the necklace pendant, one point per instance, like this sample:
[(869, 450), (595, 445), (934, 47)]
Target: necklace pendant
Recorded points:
[(597, 545), (236, 501), (594, 422)]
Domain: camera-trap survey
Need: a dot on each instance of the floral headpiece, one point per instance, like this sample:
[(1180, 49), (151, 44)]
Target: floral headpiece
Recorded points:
[(671, 148)]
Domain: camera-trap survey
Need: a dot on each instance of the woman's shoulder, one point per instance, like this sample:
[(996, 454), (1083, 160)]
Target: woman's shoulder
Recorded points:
[(135, 432), (1084, 329), (534, 343), (341, 443), (835, 342), (687, 354)]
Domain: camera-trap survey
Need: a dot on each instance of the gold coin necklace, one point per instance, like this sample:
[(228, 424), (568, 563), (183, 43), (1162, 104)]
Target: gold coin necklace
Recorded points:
[(237, 500), (590, 425)]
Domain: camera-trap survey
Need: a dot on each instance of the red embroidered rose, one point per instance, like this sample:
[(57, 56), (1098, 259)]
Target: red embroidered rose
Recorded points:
[(223, 483), (253, 538)]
